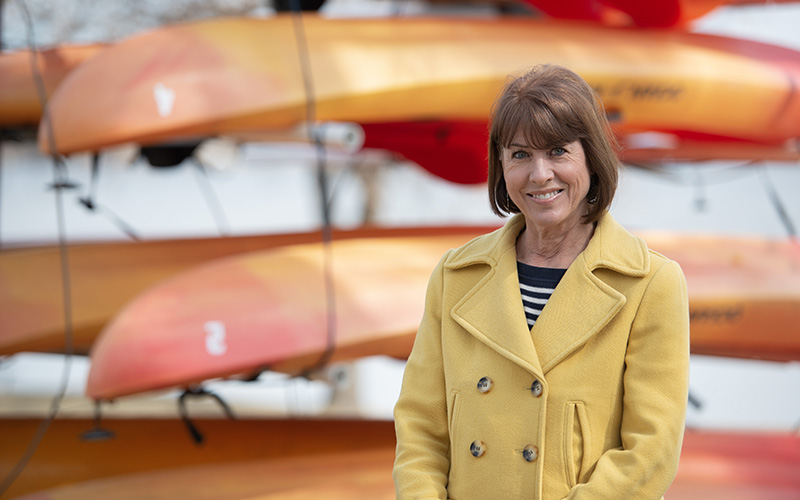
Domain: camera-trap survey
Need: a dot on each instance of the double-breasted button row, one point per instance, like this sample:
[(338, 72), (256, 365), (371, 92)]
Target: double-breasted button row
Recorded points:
[(478, 448), (485, 385)]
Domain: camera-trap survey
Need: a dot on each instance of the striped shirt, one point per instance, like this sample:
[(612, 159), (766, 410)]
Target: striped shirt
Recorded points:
[(536, 284)]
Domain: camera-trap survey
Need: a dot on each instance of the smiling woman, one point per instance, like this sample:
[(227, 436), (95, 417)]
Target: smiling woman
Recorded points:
[(546, 109), (562, 302), (551, 187)]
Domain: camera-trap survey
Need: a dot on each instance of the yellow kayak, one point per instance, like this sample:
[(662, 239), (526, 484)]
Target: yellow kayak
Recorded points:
[(242, 75)]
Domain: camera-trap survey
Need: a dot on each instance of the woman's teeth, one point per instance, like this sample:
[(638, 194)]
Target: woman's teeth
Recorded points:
[(546, 195)]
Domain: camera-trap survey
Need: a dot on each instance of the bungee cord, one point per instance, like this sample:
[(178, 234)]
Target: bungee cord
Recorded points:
[(90, 201), (778, 205), (211, 198), (314, 136), (60, 182)]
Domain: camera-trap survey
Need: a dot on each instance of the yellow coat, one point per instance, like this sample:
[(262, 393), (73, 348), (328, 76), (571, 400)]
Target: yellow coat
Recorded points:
[(588, 404)]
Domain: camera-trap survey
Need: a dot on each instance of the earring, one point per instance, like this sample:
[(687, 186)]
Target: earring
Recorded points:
[(594, 188)]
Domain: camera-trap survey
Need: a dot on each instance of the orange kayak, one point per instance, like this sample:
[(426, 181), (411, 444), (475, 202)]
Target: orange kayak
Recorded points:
[(744, 294), (106, 276), (714, 466), (268, 309), (233, 76), (20, 103)]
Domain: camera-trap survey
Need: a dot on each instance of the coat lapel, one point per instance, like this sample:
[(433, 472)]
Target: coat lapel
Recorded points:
[(570, 318), (492, 309), (581, 305)]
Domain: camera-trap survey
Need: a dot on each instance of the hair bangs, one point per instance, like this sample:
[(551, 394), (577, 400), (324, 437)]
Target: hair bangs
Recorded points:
[(543, 125)]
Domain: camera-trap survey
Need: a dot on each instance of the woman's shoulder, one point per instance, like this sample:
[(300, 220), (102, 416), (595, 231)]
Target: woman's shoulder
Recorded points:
[(623, 251), (486, 248)]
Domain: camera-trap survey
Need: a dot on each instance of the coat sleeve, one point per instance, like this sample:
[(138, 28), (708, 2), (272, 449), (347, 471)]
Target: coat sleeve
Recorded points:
[(422, 461), (656, 384)]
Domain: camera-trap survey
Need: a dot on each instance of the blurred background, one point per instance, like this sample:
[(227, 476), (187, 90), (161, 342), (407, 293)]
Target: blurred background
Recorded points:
[(269, 188)]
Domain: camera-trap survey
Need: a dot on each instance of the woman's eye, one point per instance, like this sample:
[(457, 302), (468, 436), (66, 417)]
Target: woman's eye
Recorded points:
[(518, 155), (558, 151)]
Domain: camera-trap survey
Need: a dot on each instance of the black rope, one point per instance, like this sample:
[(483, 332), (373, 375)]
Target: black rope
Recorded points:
[(68, 352), (90, 202), (778, 205), (196, 392), (94, 181), (322, 184), (60, 182), (212, 200)]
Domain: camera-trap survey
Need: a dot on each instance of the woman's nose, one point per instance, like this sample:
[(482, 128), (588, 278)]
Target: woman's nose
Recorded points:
[(541, 173)]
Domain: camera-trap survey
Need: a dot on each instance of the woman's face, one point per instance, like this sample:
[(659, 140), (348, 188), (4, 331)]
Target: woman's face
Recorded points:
[(548, 186)]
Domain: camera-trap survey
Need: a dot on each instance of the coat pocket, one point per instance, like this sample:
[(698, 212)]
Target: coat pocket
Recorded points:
[(576, 441), (455, 409)]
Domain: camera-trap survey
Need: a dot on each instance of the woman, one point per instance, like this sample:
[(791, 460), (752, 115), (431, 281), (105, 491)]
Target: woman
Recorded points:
[(588, 402)]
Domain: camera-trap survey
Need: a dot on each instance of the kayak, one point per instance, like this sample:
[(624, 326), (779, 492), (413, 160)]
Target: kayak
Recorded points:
[(431, 79), (270, 309)]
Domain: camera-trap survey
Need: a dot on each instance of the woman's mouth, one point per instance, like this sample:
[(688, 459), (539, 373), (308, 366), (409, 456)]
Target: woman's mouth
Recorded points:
[(545, 196)]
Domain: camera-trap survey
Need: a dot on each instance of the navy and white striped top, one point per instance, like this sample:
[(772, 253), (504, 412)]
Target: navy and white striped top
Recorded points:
[(536, 284)]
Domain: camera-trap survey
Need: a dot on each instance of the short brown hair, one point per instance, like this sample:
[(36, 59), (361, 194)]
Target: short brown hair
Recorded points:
[(552, 106)]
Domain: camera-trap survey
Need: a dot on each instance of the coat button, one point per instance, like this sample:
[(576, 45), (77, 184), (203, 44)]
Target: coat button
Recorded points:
[(485, 385), (477, 448), (536, 388), (530, 453)]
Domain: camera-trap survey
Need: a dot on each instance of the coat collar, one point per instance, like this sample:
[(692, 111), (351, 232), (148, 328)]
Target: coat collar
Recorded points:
[(581, 305)]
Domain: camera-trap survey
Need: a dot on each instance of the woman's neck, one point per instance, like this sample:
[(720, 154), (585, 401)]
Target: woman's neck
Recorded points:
[(554, 249)]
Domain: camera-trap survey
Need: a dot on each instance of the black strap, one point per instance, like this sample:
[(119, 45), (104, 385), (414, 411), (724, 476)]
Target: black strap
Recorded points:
[(194, 432), (212, 200), (90, 202), (777, 204)]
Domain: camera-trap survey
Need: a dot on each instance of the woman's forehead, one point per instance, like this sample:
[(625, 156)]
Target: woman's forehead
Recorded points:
[(537, 139)]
